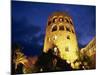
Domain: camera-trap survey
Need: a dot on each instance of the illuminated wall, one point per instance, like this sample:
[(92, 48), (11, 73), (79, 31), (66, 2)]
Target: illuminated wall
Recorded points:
[(60, 35), (89, 53)]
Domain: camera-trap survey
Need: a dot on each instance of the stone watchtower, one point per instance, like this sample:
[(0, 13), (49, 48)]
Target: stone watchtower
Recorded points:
[(60, 35)]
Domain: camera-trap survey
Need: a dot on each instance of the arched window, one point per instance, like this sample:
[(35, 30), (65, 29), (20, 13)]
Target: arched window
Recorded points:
[(61, 27), (71, 22), (67, 29), (54, 20), (66, 20), (54, 28), (61, 19)]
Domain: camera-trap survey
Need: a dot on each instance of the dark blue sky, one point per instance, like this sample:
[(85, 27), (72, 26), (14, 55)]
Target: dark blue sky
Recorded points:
[(29, 23)]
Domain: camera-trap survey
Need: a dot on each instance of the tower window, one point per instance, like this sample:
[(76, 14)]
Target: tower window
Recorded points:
[(72, 31), (68, 37), (61, 27), (54, 28), (67, 29), (66, 20), (54, 20), (71, 22), (67, 49), (61, 19)]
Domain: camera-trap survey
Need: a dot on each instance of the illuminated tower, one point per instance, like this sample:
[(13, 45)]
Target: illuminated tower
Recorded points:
[(60, 36)]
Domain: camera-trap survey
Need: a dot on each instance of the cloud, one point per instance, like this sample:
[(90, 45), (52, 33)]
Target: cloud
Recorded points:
[(25, 34)]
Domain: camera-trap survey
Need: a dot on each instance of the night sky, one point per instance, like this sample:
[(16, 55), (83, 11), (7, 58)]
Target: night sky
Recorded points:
[(29, 21)]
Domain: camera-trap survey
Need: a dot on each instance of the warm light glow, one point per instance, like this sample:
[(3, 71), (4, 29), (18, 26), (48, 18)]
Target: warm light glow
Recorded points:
[(60, 39)]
